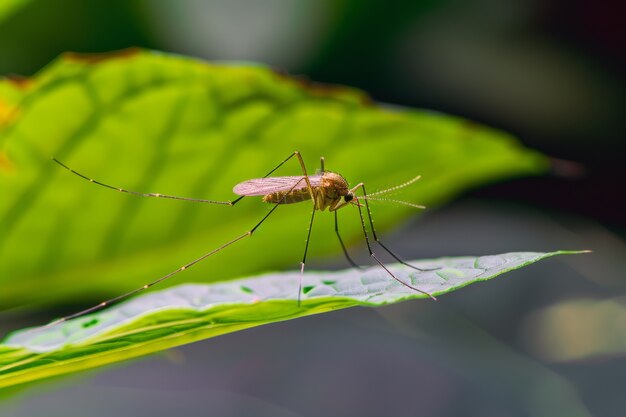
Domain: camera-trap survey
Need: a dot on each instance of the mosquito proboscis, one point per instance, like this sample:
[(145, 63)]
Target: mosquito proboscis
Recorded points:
[(325, 189)]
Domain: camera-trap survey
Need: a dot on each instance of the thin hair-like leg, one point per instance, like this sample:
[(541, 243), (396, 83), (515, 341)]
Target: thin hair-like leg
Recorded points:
[(157, 195), (306, 249), (373, 255), (312, 194), (306, 176), (345, 251)]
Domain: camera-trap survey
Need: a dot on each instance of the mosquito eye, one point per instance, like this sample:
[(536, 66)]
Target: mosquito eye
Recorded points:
[(348, 197)]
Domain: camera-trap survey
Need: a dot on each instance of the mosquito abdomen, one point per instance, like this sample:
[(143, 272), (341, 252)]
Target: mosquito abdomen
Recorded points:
[(284, 197)]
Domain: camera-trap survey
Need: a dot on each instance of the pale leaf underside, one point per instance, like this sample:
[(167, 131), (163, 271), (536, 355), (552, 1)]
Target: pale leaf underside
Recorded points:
[(191, 312)]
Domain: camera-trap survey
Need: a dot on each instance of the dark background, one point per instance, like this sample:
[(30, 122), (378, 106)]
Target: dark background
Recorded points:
[(550, 72)]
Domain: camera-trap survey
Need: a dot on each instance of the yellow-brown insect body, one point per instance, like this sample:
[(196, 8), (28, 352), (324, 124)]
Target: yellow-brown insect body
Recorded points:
[(327, 195)]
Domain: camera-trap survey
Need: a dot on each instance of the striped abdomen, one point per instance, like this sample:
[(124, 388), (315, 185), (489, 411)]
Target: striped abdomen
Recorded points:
[(284, 197)]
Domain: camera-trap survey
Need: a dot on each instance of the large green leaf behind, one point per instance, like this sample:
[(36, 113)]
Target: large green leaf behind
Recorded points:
[(160, 123)]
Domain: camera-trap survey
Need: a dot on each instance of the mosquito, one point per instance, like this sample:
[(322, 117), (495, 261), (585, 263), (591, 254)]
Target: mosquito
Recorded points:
[(325, 189)]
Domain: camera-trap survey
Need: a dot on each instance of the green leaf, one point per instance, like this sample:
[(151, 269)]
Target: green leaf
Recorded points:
[(154, 122), (10, 7), (187, 313)]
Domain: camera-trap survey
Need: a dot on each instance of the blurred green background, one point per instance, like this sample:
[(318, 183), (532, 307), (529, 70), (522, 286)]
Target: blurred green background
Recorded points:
[(549, 72)]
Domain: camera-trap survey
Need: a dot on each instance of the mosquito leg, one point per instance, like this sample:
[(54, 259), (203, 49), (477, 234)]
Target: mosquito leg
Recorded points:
[(322, 164), (306, 249), (158, 195), (345, 251), (373, 255), (146, 286), (312, 193), (377, 239), (182, 268)]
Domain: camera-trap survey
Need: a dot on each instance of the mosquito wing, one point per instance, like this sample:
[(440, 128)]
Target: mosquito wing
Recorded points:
[(269, 185)]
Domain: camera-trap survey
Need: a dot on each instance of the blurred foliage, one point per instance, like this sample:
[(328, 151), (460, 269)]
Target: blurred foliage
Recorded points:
[(580, 329), (9, 7), (185, 314), (157, 123), (33, 32)]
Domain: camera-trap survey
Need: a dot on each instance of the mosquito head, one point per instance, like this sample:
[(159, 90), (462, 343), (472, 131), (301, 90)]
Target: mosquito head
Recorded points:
[(354, 201), (343, 201)]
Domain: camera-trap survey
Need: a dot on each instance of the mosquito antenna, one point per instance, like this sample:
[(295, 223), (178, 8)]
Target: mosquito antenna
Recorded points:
[(389, 200), (397, 187), (158, 195)]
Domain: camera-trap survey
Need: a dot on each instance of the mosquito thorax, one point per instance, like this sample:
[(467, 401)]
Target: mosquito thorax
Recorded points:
[(335, 186)]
